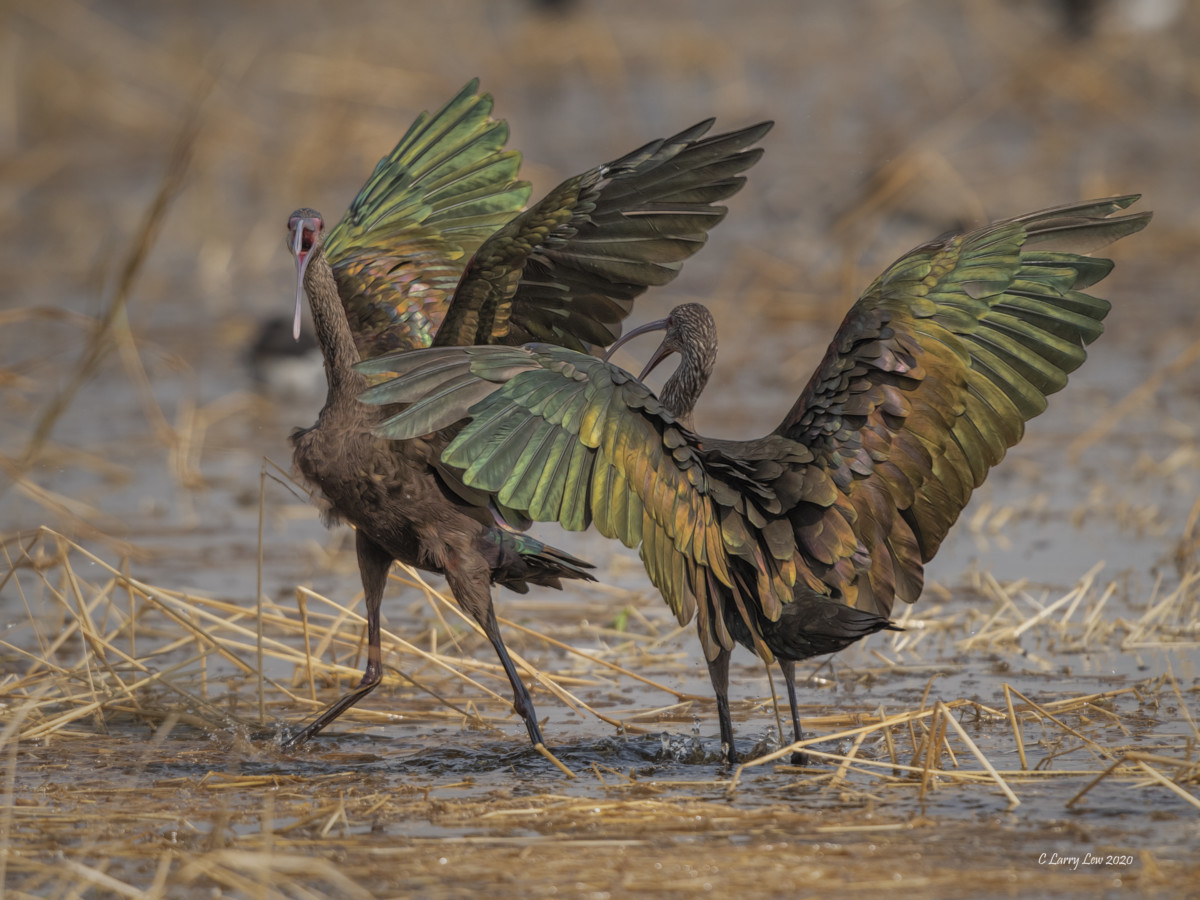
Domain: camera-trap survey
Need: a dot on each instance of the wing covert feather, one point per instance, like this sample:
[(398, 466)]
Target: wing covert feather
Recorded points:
[(568, 268), (931, 378), (569, 438), (400, 249)]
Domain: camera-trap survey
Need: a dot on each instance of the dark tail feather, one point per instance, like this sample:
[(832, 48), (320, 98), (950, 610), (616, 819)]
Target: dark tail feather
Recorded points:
[(560, 563), (812, 625), (523, 560)]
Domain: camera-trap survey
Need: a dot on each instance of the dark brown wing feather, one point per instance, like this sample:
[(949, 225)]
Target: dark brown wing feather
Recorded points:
[(928, 381), (567, 270), (931, 377)]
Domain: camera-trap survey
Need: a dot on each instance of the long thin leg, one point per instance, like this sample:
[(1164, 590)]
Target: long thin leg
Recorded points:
[(475, 596), (788, 667), (373, 565), (522, 702), (718, 673)]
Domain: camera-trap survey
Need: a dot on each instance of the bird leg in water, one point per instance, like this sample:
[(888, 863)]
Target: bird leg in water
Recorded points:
[(788, 667), (718, 673), (373, 565), (466, 591), (820, 527)]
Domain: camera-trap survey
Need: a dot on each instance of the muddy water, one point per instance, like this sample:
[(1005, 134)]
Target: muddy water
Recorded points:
[(1066, 519), (877, 147)]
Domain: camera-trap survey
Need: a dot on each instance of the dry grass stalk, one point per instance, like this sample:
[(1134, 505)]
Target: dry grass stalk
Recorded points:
[(806, 744), (9, 742), (1142, 761), (216, 628), (1138, 398), (248, 872), (541, 748), (258, 603), (983, 760), (1100, 751), (1079, 618), (933, 742), (1170, 621), (114, 316), (1016, 726), (840, 775)]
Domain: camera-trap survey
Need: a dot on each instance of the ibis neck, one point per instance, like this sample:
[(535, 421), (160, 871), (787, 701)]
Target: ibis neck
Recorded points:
[(683, 388), (333, 330)]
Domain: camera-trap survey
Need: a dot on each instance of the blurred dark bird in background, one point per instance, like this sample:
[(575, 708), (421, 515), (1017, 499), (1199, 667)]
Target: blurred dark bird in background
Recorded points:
[(283, 366)]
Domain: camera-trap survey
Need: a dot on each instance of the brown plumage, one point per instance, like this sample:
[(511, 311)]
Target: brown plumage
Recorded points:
[(811, 624), (565, 270), (797, 543), (400, 503)]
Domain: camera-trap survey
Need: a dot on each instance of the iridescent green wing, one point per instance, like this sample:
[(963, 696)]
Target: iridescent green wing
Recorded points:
[(930, 378), (568, 438), (401, 247), (566, 271)]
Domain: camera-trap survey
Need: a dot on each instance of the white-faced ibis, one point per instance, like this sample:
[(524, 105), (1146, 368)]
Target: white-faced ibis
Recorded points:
[(797, 543), (436, 222)]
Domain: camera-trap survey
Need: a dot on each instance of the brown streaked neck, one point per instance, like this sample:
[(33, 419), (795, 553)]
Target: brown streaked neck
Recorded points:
[(682, 390), (333, 330)]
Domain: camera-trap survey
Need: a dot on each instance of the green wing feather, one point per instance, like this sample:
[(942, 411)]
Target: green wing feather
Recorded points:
[(567, 270), (930, 379), (567, 438), (401, 248)]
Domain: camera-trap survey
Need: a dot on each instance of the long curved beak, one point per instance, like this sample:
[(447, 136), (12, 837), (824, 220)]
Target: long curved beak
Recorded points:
[(659, 355), (302, 257)]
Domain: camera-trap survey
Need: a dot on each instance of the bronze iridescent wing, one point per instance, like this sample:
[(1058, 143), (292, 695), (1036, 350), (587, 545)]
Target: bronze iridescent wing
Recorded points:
[(930, 378), (566, 271), (568, 438), (400, 249)]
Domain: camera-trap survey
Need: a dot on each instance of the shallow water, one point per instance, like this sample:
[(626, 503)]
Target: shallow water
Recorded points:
[(892, 127)]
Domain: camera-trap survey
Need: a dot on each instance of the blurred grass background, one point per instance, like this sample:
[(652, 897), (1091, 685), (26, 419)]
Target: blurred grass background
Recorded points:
[(895, 119), (895, 122)]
